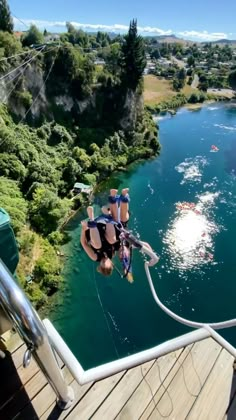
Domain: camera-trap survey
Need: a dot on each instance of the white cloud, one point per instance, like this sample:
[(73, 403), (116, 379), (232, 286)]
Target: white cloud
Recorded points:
[(89, 26), (203, 36), (119, 28)]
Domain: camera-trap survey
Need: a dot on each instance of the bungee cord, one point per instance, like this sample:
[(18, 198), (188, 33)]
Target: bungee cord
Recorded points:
[(192, 324), (104, 314)]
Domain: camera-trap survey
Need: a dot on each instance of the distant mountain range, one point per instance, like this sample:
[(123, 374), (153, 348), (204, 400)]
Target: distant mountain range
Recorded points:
[(173, 39), (225, 41), (170, 39)]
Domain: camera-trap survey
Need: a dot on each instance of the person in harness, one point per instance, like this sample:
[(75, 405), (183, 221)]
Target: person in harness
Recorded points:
[(100, 237)]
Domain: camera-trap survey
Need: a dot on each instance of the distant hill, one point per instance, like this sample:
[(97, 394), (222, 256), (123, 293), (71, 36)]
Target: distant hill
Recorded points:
[(225, 42), (170, 39)]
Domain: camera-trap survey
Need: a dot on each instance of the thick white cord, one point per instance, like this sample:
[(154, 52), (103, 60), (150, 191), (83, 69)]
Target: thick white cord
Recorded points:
[(192, 324)]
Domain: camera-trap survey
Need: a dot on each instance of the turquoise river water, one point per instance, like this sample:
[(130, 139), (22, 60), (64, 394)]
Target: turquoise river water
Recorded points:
[(103, 319)]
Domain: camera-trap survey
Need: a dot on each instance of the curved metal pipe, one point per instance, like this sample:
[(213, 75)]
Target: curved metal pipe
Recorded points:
[(30, 327), (19, 309)]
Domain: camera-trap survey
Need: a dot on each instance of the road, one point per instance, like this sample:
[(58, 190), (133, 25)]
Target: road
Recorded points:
[(226, 92), (195, 82), (180, 64)]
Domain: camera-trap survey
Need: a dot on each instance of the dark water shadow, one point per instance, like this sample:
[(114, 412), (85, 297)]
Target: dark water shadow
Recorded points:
[(230, 159)]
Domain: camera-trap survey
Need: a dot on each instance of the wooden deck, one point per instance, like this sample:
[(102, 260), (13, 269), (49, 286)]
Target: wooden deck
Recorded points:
[(196, 382)]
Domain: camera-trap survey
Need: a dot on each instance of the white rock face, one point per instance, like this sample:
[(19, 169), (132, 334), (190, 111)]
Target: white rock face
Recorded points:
[(133, 106)]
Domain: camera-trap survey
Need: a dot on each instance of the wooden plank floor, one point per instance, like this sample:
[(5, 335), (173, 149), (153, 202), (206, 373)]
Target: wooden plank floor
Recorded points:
[(194, 383)]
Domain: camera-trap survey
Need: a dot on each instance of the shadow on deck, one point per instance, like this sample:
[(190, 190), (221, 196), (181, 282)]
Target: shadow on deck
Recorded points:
[(13, 395)]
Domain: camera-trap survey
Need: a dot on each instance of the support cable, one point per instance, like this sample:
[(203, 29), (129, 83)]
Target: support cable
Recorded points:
[(22, 53), (21, 65)]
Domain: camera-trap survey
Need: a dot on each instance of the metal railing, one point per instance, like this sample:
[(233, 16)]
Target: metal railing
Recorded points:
[(31, 329)]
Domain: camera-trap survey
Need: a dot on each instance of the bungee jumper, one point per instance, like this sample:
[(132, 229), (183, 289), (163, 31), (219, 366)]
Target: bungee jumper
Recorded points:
[(103, 236)]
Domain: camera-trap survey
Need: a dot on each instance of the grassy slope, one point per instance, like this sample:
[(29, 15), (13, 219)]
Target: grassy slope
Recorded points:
[(157, 90)]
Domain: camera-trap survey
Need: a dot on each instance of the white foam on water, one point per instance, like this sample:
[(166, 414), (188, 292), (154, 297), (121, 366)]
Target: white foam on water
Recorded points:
[(150, 188), (192, 169), (225, 127)]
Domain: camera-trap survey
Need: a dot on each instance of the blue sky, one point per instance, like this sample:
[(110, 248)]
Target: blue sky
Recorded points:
[(201, 21)]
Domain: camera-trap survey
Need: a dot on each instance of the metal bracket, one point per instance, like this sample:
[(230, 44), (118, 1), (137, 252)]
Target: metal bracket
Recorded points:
[(27, 357)]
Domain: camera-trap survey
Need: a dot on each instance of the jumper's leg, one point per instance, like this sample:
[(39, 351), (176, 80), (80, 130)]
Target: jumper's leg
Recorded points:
[(94, 232)]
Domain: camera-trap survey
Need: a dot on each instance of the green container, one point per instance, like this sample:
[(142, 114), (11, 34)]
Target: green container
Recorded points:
[(8, 246)]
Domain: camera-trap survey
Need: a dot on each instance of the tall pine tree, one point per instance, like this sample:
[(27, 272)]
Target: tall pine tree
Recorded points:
[(134, 60), (6, 22)]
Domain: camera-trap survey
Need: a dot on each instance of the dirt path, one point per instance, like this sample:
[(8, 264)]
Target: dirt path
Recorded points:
[(195, 82)]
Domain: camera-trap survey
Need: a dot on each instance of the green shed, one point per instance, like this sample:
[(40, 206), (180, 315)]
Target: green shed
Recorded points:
[(8, 246)]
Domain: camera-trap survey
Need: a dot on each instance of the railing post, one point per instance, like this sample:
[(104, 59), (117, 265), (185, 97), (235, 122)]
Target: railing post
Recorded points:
[(30, 327)]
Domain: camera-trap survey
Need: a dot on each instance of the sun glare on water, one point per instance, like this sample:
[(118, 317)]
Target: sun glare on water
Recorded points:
[(189, 238)]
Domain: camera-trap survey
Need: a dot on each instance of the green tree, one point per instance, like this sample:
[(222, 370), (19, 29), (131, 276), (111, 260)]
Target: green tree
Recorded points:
[(191, 61), (9, 45), (179, 80), (70, 172), (33, 36), (155, 53), (81, 157), (134, 60), (11, 199), (72, 71), (113, 59), (232, 80), (6, 22), (203, 82), (47, 210), (12, 167)]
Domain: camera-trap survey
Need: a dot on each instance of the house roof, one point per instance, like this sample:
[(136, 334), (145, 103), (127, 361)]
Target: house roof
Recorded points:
[(81, 185)]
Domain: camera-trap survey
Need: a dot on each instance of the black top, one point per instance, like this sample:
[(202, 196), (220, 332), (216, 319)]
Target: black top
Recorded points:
[(107, 250)]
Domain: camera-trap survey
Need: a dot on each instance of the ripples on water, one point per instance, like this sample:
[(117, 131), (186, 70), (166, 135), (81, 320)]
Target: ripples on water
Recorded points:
[(189, 238)]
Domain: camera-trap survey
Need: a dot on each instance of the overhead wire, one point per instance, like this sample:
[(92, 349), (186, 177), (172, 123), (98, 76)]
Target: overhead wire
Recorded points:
[(22, 53), (21, 65), (18, 75), (40, 90), (21, 21), (44, 82)]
